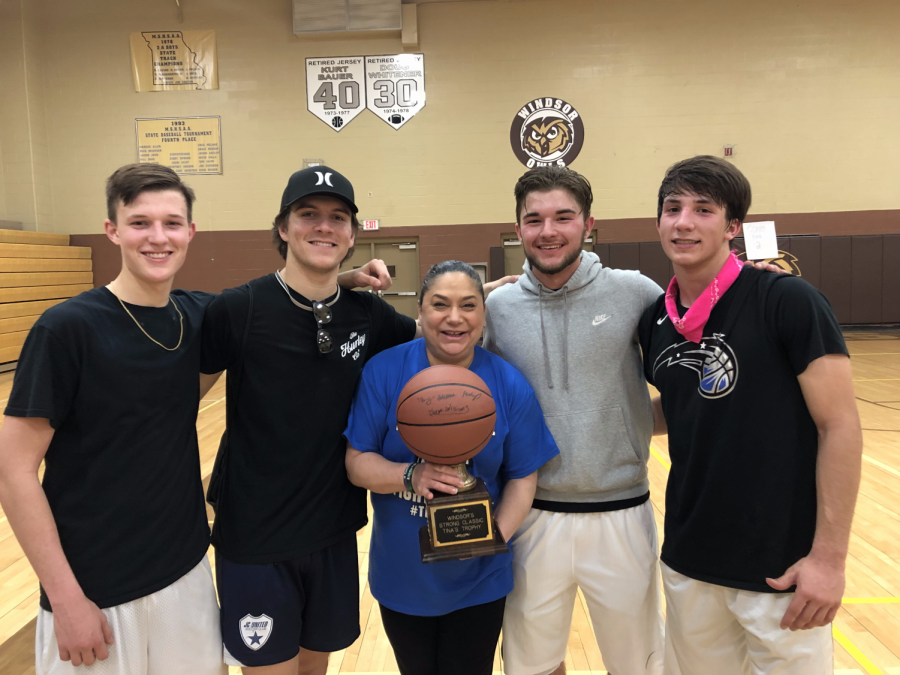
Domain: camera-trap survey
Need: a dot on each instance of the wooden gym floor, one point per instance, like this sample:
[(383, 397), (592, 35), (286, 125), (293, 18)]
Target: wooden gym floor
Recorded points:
[(866, 630)]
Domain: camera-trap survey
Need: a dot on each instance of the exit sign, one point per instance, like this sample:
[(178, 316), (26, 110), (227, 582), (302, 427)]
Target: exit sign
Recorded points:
[(370, 224)]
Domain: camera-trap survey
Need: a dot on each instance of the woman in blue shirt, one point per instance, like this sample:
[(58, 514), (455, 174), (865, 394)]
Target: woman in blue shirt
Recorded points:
[(443, 618)]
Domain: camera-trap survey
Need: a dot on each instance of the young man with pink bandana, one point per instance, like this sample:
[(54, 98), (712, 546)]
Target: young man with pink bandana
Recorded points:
[(764, 438)]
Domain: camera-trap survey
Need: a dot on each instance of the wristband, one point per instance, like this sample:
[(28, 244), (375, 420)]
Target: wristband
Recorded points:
[(407, 477)]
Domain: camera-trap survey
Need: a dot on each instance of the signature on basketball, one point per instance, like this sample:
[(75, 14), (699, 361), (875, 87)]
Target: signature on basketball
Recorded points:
[(472, 395), (448, 410)]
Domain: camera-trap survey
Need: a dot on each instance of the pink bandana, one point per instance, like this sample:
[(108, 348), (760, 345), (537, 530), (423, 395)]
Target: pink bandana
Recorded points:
[(694, 320)]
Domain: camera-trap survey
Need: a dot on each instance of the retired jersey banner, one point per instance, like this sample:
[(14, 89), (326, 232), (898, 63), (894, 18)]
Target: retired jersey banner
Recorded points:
[(174, 60), (547, 131), (187, 145), (395, 86), (335, 89)]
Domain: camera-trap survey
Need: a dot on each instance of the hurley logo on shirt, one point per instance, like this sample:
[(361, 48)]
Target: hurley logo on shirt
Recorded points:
[(352, 345)]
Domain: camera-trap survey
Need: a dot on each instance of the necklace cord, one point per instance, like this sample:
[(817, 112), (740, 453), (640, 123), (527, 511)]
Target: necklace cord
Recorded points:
[(298, 304), (137, 323)]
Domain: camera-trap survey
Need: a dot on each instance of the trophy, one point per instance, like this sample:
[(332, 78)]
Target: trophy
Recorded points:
[(446, 415)]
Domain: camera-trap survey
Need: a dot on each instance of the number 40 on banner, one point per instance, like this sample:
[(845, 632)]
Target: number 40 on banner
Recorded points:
[(391, 86)]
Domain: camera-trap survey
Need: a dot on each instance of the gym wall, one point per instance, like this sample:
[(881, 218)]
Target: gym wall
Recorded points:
[(807, 92)]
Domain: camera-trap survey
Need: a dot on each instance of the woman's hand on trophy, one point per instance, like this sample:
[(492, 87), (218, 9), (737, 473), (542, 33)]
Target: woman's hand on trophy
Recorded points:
[(427, 477)]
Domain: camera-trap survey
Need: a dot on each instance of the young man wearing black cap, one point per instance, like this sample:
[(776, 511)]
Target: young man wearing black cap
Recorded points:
[(294, 344)]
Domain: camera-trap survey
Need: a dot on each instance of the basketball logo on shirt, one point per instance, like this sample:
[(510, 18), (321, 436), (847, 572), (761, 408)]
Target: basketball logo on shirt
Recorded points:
[(255, 630), (713, 361)]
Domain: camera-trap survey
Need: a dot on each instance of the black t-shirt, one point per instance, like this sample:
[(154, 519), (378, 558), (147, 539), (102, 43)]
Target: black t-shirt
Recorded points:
[(123, 471), (285, 490), (741, 496)]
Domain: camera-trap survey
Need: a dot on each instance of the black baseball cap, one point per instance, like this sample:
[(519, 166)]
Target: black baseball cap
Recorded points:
[(317, 180)]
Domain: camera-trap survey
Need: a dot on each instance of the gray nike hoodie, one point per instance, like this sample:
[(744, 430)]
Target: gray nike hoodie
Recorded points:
[(578, 348)]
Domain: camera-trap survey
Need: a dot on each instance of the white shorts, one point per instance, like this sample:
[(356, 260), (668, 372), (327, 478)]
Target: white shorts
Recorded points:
[(613, 557), (174, 631), (714, 630)]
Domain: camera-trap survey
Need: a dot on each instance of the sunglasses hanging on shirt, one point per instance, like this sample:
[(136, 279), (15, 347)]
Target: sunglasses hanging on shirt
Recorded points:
[(322, 314)]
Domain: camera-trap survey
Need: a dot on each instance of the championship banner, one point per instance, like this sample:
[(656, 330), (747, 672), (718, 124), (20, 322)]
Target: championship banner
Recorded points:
[(187, 145), (335, 92), (546, 131), (174, 60), (395, 86)]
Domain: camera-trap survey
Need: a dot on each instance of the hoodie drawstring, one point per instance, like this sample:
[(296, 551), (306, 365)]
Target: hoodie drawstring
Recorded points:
[(566, 337), (543, 336), (565, 345)]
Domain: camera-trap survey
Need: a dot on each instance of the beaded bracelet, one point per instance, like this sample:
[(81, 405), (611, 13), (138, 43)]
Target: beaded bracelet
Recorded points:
[(407, 477)]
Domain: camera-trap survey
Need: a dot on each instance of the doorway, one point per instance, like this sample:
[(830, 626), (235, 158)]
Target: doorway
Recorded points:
[(401, 256)]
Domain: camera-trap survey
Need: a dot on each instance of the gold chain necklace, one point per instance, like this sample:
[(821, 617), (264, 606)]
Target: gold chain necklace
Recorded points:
[(180, 319)]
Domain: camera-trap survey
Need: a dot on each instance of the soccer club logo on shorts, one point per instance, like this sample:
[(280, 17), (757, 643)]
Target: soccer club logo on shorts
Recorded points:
[(713, 361), (256, 630), (547, 132)]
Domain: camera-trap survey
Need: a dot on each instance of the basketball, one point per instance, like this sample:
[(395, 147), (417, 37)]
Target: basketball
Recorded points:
[(446, 414)]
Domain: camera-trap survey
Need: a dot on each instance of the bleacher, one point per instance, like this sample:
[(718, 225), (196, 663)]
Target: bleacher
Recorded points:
[(37, 270)]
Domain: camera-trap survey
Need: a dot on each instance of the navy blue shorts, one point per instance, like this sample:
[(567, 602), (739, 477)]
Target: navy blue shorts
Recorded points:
[(271, 610)]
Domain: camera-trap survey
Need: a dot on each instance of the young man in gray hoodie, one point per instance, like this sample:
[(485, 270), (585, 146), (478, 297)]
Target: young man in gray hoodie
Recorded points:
[(570, 325)]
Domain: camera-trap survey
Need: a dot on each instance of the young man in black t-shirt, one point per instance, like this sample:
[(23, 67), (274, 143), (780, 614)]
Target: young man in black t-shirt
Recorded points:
[(287, 516), (764, 439), (106, 393)]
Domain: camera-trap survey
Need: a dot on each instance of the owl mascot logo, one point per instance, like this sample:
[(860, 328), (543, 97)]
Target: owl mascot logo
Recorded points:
[(713, 361), (546, 136), (545, 132)]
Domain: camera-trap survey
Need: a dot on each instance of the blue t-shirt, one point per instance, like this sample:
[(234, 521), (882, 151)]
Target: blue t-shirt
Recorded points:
[(520, 446)]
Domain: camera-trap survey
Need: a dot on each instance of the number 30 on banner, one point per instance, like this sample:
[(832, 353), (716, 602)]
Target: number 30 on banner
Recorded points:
[(395, 86), (406, 94)]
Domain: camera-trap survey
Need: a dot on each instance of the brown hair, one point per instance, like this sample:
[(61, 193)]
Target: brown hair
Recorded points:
[(547, 178), (280, 223), (710, 177), (129, 181)]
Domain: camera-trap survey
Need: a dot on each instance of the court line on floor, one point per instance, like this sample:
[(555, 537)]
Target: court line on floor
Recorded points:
[(659, 457), (854, 652), (880, 379), (210, 405), (842, 639), (870, 601), (881, 465)]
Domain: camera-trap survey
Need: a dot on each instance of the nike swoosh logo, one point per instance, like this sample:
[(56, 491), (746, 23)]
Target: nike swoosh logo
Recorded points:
[(664, 317), (599, 319)]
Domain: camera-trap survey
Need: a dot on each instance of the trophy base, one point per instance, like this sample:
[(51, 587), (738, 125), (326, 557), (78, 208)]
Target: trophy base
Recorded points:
[(459, 551), (460, 526)]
